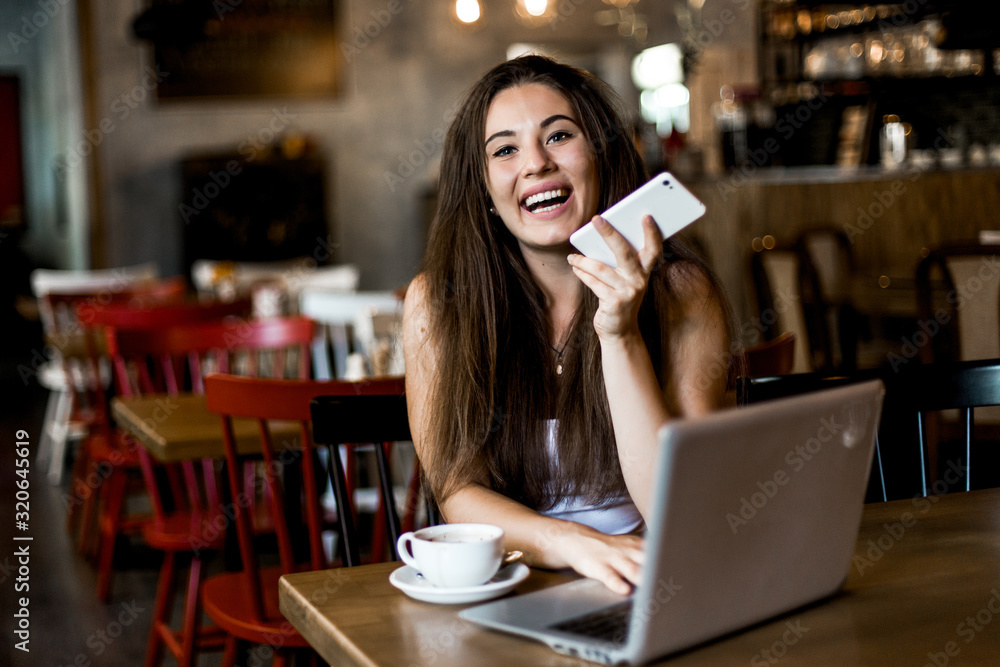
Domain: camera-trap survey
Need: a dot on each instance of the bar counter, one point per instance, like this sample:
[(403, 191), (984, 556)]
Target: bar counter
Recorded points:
[(890, 216)]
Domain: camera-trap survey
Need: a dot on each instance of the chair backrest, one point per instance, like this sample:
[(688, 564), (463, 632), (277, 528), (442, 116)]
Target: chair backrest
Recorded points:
[(829, 252), (339, 313), (967, 318), (381, 419), (287, 400), (773, 357), (145, 313), (777, 281), (172, 359), (233, 345), (65, 312), (45, 281), (908, 458), (828, 277)]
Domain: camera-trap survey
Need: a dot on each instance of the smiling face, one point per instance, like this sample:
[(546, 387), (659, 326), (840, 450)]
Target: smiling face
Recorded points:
[(541, 172)]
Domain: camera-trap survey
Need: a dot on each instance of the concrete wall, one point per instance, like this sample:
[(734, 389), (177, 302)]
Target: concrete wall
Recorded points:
[(380, 138), (38, 43)]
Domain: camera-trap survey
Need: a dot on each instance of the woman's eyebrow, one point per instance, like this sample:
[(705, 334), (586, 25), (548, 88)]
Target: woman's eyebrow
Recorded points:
[(501, 133), (545, 123), (551, 119)]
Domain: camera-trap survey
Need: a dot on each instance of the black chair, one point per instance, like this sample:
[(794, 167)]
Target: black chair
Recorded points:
[(827, 273), (907, 461), (378, 419), (786, 292), (958, 302)]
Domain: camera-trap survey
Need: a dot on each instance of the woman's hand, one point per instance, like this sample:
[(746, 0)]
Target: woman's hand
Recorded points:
[(614, 560), (619, 290)]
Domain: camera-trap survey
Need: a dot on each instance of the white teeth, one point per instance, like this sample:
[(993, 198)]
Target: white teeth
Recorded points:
[(545, 196)]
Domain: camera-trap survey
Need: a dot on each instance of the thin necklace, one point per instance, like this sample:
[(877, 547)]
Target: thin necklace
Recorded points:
[(559, 354)]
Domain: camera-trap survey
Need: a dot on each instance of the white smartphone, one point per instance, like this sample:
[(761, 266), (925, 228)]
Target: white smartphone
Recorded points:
[(672, 206)]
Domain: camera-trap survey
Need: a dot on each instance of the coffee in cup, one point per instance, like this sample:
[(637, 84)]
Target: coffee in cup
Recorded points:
[(454, 555)]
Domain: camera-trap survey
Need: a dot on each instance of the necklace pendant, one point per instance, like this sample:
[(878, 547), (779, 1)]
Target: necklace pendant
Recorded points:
[(558, 369)]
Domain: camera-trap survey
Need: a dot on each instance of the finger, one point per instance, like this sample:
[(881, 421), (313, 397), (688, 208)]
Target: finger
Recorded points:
[(599, 271), (600, 289), (625, 253), (652, 243), (616, 583)]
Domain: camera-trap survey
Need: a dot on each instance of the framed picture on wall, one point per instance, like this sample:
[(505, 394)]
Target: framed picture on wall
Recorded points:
[(243, 48)]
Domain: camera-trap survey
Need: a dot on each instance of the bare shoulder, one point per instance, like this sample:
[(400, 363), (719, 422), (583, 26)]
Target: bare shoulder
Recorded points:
[(698, 363), (416, 314), (693, 289)]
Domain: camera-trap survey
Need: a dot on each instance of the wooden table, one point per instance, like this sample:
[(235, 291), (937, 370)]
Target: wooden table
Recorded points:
[(176, 428), (924, 589)]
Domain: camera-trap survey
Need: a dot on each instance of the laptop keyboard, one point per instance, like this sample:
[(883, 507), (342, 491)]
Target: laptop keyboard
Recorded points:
[(609, 624)]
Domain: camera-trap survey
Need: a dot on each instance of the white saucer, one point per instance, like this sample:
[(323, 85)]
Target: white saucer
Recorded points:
[(418, 588)]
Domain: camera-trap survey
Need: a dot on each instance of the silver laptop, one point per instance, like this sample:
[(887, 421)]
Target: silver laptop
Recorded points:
[(760, 509)]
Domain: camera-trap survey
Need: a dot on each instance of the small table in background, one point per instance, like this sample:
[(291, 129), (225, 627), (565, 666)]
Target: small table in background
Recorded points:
[(178, 428)]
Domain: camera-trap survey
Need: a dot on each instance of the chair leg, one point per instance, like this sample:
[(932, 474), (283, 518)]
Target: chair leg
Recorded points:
[(109, 525), (192, 607), (44, 453), (230, 652), (161, 610), (59, 436)]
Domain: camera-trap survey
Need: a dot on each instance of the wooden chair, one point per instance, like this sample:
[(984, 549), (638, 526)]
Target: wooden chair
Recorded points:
[(965, 323), (380, 419), (66, 372), (188, 508), (827, 273), (773, 357), (904, 466), (338, 313), (779, 284), (245, 603), (107, 458)]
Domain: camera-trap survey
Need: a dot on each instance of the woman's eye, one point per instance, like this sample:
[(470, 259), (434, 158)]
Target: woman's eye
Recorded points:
[(559, 136), (503, 151)]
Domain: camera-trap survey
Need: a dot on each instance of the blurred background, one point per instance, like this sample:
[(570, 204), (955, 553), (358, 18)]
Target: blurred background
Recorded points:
[(255, 130)]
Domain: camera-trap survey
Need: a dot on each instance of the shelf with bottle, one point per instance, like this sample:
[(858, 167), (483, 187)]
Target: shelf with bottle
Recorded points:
[(914, 39)]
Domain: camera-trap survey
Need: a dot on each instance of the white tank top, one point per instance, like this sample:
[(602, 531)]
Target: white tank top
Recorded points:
[(617, 517)]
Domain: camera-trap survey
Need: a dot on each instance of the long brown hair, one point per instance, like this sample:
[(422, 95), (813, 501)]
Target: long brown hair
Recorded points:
[(495, 386)]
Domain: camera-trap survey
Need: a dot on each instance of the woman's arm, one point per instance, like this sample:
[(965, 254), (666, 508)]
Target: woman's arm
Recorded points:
[(639, 406), (614, 560)]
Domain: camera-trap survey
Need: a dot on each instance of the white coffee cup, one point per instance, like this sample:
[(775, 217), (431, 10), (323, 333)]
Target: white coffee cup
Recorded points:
[(454, 555)]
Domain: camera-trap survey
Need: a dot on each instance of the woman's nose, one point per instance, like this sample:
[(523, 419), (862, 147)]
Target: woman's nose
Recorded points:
[(536, 159)]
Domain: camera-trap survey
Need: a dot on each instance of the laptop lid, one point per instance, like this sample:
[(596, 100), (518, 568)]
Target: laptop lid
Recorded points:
[(759, 513)]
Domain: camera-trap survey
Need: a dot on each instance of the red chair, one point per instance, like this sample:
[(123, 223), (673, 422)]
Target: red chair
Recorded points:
[(187, 507), (86, 373), (70, 375), (245, 603), (107, 464), (773, 357)]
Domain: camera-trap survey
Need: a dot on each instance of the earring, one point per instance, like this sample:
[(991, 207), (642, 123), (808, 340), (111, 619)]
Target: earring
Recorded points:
[(493, 210)]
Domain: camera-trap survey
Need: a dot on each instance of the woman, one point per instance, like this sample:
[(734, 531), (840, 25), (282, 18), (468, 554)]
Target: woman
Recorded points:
[(537, 378)]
